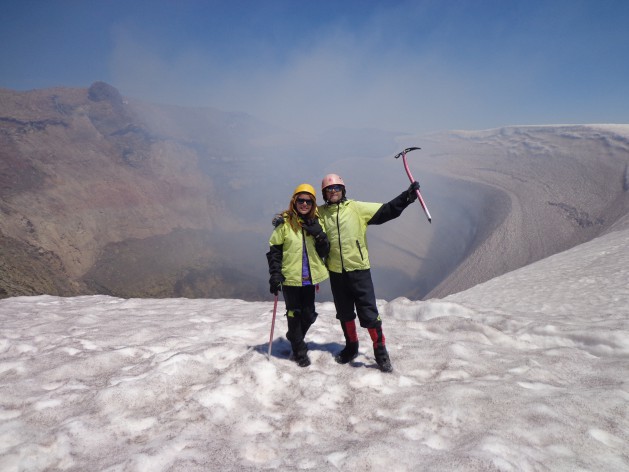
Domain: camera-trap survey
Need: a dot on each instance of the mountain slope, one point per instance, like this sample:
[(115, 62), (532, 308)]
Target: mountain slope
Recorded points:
[(83, 174), (565, 185), (106, 194)]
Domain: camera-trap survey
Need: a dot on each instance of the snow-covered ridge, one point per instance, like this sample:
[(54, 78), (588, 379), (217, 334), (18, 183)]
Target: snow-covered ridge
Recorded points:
[(554, 187), (620, 129)]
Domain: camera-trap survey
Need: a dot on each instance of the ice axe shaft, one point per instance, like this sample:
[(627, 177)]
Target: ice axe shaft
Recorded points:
[(410, 177), (272, 327)]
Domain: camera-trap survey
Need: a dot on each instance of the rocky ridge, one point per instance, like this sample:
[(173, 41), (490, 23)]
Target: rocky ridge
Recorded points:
[(82, 177)]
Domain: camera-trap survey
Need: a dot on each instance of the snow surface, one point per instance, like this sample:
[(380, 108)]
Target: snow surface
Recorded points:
[(526, 372)]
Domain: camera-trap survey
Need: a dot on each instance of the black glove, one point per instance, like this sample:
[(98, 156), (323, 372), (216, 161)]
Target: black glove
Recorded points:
[(313, 228), (278, 220), (411, 193), (275, 283)]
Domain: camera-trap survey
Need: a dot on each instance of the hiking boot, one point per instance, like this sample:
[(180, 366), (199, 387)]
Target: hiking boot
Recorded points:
[(349, 353), (302, 359), (382, 359)]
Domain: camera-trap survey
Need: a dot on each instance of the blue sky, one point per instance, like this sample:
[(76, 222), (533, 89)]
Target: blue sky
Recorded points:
[(413, 66)]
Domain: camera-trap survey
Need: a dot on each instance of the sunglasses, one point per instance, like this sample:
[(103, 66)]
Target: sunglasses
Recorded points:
[(301, 201), (334, 188)]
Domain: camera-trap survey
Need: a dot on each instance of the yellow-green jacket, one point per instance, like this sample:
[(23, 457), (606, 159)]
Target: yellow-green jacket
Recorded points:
[(346, 227), (289, 244)]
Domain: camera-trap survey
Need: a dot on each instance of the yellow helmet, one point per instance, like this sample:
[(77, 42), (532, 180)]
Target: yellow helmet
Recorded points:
[(305, 188)]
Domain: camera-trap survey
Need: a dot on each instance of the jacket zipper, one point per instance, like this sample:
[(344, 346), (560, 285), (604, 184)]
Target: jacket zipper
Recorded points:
[(360, 250), (338, 229)]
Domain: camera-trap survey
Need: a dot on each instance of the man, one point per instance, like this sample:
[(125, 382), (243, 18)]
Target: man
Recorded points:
[(346, 224)]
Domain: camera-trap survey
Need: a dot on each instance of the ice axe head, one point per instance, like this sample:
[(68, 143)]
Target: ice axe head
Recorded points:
[(405, 151)]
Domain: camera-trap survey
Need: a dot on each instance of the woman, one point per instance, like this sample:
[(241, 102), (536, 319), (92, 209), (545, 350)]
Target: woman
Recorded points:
[(296, 264)]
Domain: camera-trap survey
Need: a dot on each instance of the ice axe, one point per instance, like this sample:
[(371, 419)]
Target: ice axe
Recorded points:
[(272, 327), (410, 177)]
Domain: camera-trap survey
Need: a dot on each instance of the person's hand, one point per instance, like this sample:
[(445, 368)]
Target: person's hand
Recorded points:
[(411, 193), (313, 227), (275, 283)]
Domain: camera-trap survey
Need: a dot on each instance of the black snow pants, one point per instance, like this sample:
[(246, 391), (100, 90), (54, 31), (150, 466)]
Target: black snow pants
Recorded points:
[(300, 314), (355, 289)]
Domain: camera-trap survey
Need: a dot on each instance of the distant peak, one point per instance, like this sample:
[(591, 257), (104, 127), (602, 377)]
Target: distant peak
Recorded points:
[(101, 91)]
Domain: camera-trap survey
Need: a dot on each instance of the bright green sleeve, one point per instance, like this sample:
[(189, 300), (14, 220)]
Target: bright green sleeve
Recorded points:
[(278, 236)]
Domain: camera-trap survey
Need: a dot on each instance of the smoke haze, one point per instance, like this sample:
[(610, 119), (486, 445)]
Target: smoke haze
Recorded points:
[(400, 66)]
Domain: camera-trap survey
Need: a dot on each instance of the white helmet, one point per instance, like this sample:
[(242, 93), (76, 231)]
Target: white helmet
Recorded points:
[(331, 179)]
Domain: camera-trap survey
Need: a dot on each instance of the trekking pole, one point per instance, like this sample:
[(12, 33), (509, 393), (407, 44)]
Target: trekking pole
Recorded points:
[(410, 177), (272, 327)]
